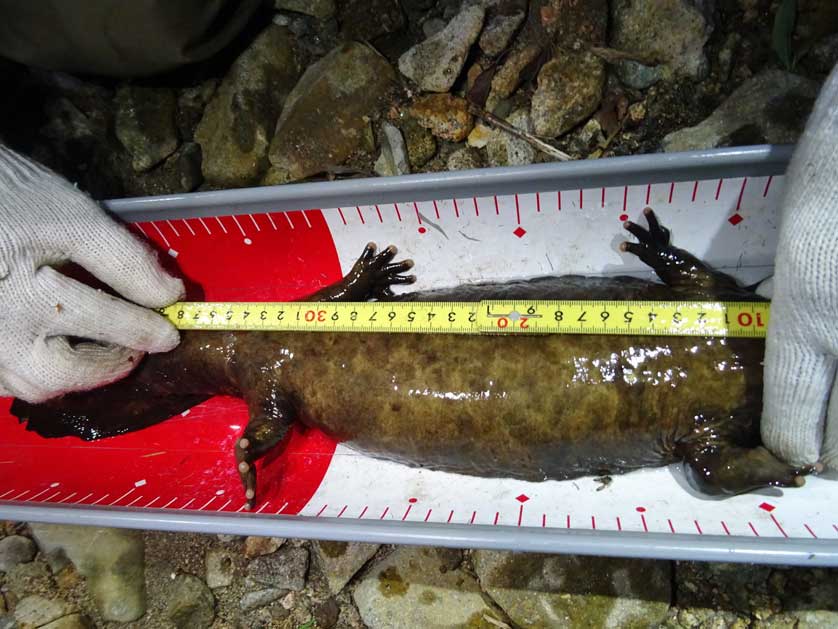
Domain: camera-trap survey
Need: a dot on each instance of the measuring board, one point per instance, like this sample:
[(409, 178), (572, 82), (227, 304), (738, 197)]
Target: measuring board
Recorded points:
[(279, 244)]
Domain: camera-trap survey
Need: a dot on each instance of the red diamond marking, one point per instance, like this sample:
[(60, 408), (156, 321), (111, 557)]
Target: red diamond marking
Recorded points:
[(767, 507), (735, 219), (640, 509), (522, 498), (411, 500), (520, 232)]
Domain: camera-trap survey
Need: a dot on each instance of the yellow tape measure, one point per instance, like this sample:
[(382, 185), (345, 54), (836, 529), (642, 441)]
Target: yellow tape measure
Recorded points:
[(656, 318)]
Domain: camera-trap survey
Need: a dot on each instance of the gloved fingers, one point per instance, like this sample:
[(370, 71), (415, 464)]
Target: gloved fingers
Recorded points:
[(123, 262), (62, 368), (74, 309), (798, 378)]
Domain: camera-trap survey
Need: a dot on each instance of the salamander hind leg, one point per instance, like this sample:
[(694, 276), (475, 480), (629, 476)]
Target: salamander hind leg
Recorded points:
[(270, 419), (715, 466), (677, 268), (371, 277)]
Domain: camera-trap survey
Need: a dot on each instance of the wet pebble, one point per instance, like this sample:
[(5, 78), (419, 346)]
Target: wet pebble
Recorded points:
[(255, 546), (260, 598), (393, 159), (221, 567), (446, 116), (14, 550), (466, 158), (504, 149), (285, 569), (191, 603)]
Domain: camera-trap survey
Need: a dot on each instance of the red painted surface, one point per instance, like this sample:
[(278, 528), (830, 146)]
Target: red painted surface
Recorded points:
[(187, 461)]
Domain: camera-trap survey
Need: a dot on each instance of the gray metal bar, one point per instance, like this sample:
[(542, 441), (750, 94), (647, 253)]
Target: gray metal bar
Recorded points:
[(660, 167), (611, 543)]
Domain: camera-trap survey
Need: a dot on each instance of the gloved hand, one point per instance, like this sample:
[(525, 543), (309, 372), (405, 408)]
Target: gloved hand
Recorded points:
[(802, 346), (45, 221)]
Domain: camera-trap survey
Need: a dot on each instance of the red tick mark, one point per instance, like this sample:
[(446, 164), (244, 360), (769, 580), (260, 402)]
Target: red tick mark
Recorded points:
[(341, 216), (450, 515), (497, 515), (719, 189), (811, 532), (398, 214), (428, 515), (671, 190), (473, 515), (436, 210), (517, 210), (360, 215), (648, 192), (363, 512), (767, 186), (671, 528), (602, 198), (698, 527), (777, 524), (741, 192), (497, 208), (753, 529), (476, 209), (384, 513), (543, 520), (695, 190), (418, 216), (378, 211), (537, 202), (724, 526), (625, 198), (322, 509), (456, 209), (342, 510), (593, 523), (559, 201), (619, 524), (580, 199)]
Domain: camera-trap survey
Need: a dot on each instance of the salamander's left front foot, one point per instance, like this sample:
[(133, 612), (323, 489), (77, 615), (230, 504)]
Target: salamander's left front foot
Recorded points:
[(374, 274)]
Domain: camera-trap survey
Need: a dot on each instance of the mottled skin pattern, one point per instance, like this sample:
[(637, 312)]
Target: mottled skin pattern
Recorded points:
[(536, 408)]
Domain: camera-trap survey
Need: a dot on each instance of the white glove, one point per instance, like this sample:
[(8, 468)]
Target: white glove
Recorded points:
[(45, 221), (802, 346)]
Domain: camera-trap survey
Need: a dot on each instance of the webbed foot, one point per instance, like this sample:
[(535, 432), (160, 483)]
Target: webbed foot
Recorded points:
[(677, 268), (261, 434), (723, 469), (373, 274), (371, 277)]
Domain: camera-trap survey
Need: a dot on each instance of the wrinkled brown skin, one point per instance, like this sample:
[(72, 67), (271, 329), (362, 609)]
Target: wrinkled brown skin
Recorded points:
[(535, 408)]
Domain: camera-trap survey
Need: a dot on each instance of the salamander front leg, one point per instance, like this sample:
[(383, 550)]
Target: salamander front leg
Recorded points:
[(270, 420), (675, 267), (370, 278)]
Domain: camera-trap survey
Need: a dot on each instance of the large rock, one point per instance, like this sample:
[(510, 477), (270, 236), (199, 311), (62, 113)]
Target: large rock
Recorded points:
[(327, 114), (321, 9), (37, 611), (569, 91), (112, 560), (436, 63), (145, 124), (256, 546), (418, 587), (365, 20), (15, 549), (238, 123), (191, 604), (339, 561), (670, 31), (771, 107), (285, 569), (73, 621), (570, 591)]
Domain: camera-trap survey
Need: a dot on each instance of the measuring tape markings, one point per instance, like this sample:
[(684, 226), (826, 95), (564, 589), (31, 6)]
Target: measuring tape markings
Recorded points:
[(649, 318)]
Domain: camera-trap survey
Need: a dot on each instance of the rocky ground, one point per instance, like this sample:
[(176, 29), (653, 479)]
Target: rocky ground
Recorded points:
[(340, 88)]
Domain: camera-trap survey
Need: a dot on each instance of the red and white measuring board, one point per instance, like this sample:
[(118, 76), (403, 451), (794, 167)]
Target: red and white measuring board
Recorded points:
[(186, 462)]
